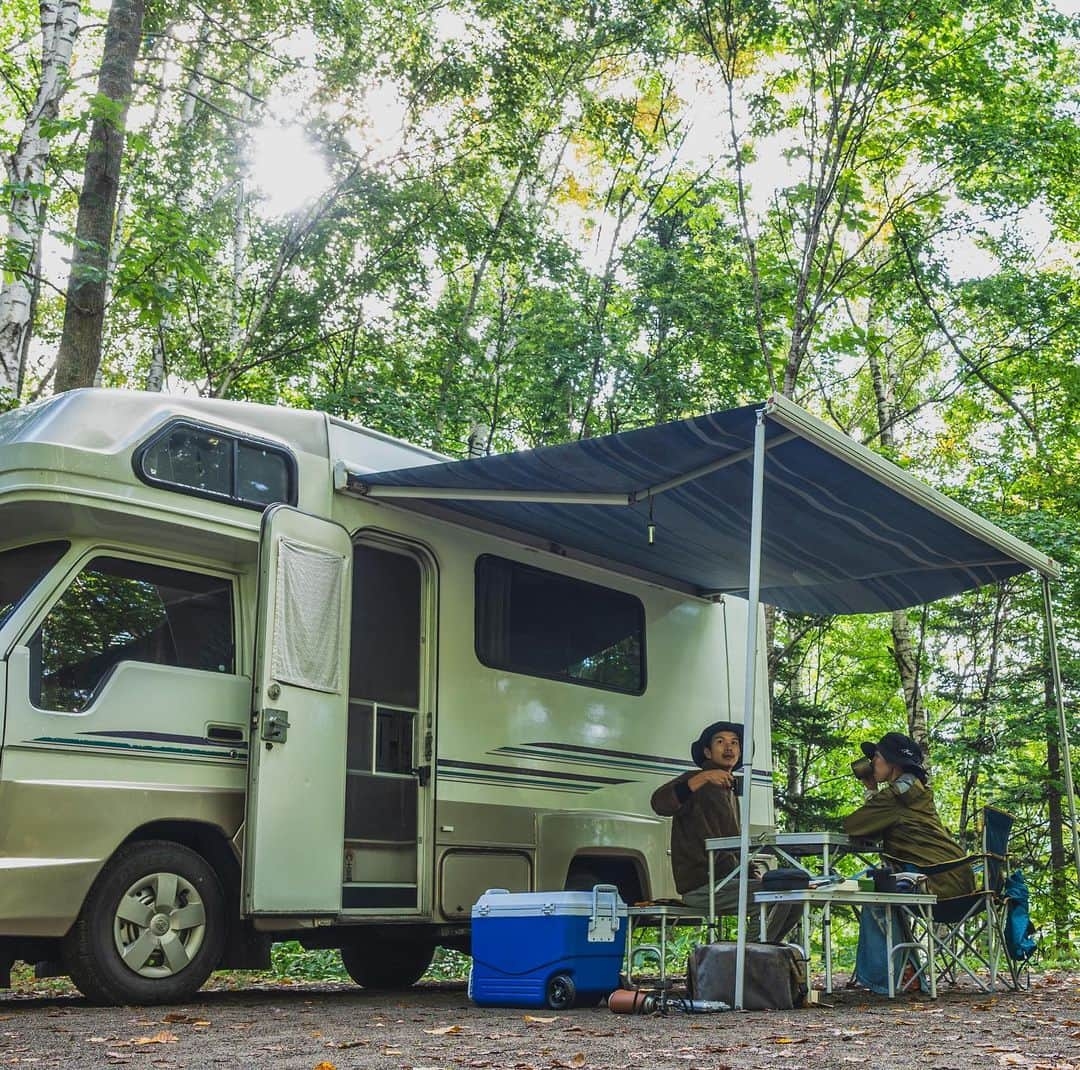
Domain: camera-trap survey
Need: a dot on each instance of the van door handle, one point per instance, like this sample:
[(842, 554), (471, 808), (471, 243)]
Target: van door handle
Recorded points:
[(225, 733), (422, 774), (275, 727)]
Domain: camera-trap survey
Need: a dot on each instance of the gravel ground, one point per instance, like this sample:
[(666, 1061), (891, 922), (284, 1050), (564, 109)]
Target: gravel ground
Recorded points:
[(333, 1026)]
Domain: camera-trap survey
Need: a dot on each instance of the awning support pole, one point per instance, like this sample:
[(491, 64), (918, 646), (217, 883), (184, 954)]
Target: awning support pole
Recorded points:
[(1063, 728), (753, 594)]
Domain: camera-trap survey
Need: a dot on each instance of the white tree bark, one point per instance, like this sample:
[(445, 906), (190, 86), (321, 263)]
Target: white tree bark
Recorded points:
[(904, 650), (26, 174)]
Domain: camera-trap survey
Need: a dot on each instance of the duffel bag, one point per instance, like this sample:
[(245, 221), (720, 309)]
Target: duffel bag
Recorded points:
[(775, 975)]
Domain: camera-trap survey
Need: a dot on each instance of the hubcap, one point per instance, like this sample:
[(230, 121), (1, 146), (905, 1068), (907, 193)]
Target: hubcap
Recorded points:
[(159, 926)]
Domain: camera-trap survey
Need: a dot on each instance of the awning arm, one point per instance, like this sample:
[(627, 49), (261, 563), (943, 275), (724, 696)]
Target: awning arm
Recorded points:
[(708, 469), (351, 482), (1063, 727)]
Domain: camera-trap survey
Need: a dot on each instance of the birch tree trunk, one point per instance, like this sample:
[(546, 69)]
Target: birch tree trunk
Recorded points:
[(904, 651), (159, 51), (25, 172), (84, 313)]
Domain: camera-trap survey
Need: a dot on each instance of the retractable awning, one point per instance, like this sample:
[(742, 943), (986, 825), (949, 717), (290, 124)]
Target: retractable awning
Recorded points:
[(845, 531), (763, 501)]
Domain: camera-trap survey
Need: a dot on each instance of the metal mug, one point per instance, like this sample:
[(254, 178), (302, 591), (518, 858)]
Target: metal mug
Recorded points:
[(862, 767)]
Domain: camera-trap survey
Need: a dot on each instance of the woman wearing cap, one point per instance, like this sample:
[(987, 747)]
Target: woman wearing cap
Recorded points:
[(702, 804), (901, 813)]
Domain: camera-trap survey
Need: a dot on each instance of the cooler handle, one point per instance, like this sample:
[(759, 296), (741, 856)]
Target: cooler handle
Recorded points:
[(603, 929)]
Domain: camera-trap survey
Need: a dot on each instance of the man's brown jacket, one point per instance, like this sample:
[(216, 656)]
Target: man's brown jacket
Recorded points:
[(697, 816)]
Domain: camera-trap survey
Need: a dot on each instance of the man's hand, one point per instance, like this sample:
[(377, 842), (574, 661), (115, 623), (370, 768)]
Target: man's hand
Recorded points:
[(711, 776)]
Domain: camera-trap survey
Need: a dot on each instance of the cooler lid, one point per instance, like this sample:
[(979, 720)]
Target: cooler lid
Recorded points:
[(498, 902)]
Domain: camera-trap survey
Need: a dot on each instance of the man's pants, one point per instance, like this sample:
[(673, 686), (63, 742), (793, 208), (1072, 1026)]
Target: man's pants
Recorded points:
[(782, 917)]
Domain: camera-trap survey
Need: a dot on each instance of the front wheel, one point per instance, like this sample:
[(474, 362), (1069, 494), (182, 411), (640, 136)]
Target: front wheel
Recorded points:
[(379, 963), (152, 928)]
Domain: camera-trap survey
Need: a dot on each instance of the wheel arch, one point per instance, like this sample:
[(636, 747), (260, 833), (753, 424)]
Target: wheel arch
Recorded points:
[(201, 837), (626, 869)]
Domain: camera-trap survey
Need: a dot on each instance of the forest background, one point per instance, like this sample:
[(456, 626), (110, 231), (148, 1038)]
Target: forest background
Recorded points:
[(491, 224)]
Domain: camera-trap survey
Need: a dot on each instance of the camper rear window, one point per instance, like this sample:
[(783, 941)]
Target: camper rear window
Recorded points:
[(539, 623), (213, 464), (20, 570)]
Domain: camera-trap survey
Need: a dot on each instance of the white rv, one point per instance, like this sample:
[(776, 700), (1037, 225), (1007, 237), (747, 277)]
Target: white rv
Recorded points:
[(239, 706)]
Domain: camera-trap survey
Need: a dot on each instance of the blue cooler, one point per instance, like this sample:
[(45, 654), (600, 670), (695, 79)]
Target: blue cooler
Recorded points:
[(546, 949)]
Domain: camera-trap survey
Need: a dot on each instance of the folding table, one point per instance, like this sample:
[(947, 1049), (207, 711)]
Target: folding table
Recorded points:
[(917, 907)]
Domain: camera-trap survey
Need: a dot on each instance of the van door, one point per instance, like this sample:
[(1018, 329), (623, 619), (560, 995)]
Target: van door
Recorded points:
[(296, 774), (389, 766)]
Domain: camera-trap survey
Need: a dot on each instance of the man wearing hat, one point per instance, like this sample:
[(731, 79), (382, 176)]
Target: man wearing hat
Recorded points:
[(901, 813), (702, 804)]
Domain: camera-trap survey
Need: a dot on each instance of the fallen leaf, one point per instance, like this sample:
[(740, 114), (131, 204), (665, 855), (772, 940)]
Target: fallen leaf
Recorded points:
[(326, 1066), (538, 1020), (174, 1018), (788, 1040), (443, 1030), (577, 1059), (164, 1037)]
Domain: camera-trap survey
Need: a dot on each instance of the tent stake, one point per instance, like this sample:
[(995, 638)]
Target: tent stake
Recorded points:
[(1063, 728), (753, 595)]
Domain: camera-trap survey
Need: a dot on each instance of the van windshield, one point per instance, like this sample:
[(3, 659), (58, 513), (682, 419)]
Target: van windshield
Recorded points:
[(20, 570)]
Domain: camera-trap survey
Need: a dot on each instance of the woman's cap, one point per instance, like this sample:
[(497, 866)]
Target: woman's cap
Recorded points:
[(898, 749)]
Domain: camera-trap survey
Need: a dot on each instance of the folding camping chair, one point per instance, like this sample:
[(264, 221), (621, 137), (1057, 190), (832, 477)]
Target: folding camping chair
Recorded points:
[(969, 930)]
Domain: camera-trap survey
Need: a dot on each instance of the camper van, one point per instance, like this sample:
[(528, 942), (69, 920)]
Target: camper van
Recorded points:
[(240, 705)]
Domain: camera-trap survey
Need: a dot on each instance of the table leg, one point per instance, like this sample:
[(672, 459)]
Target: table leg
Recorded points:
[(889, 950), (762, 922), (806, 930), (928, 915), (714, 931), (826, 937), (663, 952)]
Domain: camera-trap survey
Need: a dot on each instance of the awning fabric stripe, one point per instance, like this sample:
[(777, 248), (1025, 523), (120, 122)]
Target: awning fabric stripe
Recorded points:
[(845, 531)]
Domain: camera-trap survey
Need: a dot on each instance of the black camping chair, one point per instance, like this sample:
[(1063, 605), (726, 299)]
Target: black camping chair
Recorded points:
[(969, 930)]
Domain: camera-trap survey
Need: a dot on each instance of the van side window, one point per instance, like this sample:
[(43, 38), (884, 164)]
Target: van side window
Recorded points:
[(20, 570), (540, 623), (213, 464), (118, 610)]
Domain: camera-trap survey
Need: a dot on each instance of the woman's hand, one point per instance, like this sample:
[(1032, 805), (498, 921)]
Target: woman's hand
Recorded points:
[(720, 777)]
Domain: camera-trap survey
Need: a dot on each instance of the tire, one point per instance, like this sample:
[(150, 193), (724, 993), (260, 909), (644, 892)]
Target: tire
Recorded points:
[(560, 992), (389, 964), (152, 928)]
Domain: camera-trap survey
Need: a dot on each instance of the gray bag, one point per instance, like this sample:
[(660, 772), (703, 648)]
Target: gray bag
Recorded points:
[(775, 975)]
